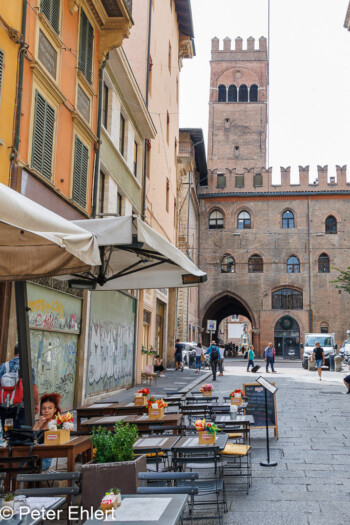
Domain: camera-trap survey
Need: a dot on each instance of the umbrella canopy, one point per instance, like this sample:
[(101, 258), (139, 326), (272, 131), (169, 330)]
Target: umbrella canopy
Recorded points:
[(136, 257), (35, 242)]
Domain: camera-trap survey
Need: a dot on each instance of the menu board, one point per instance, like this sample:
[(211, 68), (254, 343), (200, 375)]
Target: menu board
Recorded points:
[(255, 394)]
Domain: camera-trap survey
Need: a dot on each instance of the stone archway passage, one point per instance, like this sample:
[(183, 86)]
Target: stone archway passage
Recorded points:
[(223, 306), (287, 338)]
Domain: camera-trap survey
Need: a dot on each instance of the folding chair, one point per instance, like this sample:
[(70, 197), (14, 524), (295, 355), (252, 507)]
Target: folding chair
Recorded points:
[(238, 463), (14, 466)]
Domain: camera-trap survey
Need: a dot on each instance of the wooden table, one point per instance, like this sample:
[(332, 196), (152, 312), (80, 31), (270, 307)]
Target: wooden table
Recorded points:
[(70, 450), (156, 444), (166, 512), (108, 409), (188, 447), (142, 421)]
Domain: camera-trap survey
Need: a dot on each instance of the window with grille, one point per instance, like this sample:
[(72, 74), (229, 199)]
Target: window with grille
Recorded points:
[(216, 220), (323, 263), (228, 264), (331, 224), (80, 172), (221, 180), (86, 44), (287, 299), (288, 219), (43, 134), (239, 181), (293, 265), (2, 56), (255, 264), (243, 221), (121, 134), (51, 9)]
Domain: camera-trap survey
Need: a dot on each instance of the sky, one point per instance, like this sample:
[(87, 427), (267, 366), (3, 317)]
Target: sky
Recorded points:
[(309, 74)]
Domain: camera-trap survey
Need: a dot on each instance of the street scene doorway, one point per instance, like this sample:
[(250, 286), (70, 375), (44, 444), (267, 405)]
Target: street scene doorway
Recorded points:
[(287, 338)]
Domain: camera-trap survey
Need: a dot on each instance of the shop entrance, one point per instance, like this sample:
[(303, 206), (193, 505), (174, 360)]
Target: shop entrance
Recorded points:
[(287, 338)]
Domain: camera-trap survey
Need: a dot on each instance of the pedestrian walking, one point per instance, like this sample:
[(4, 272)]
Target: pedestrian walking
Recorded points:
[(11, 392), (178, 355), (214, 354), (251, 356), (199, 357), (347, 383), (268, 354), (318, 354)]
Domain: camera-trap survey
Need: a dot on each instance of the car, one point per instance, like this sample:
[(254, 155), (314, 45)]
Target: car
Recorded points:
[(327, 342), (189, 354), (345, 349)]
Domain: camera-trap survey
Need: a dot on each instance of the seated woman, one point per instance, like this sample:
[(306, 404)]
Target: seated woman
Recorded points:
[(49, 408), (158, 365)]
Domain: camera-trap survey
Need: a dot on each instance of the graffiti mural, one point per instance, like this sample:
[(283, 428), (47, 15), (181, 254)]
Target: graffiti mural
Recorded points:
[(110, 359), (52, 310)]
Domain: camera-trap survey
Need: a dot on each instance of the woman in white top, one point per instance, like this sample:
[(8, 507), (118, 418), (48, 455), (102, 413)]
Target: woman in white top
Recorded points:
[(199, 353)]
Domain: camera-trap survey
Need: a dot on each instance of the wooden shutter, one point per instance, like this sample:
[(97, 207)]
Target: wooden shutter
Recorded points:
[(1, 69), (43, 132), (51, 9), (86, 41), (80, 172)]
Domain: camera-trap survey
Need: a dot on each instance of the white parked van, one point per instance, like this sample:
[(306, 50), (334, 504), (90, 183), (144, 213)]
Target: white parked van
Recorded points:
[(327, 342)]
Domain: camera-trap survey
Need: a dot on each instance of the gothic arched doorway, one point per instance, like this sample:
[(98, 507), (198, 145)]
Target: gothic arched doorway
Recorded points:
[(287, 338)]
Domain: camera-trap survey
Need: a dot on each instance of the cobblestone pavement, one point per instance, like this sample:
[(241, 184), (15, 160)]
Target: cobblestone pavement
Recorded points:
[(311, 483)]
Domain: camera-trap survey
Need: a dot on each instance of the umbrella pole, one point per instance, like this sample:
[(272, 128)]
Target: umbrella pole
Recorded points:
[(25, 357)]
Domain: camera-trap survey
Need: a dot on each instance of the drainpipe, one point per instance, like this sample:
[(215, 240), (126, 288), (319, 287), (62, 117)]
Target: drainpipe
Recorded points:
[(143, 205), (309, 261), (22, 50), (98, 134)]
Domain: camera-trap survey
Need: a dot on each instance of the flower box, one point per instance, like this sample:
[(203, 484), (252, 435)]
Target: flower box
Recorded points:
[(56, 437), (206, 438), (207, 393), (140, 401), (155, 413), (236, 401)]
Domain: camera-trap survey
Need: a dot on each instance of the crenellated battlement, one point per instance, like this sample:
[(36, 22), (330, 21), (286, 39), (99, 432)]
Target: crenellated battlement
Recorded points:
[(238, 53), (292, 179)]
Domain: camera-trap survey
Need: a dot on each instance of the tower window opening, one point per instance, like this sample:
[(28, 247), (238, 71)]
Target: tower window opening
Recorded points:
[(243, 93), (222, 93), (232, 93), (253, 93)]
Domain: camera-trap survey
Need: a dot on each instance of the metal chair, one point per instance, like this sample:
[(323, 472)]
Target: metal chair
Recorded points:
[(197, 399), (70, 491), (193, 412), (13, 466), (238, 463)]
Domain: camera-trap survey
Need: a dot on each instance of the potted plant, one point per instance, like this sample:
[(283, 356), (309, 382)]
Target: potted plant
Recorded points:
[(114, 464), (236, 397), (206, 432), (206, 390), (140, 398), (156, 408), (8, 501)]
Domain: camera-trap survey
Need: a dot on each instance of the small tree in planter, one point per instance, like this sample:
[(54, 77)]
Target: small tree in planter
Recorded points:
[(113, 464)]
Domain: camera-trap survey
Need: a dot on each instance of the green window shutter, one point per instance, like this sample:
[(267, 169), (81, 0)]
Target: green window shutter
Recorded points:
[(257, 179), (239, 181), (51, 9), (86, 43), (80, 172), (43, 133), (221, 181), (1, 69)]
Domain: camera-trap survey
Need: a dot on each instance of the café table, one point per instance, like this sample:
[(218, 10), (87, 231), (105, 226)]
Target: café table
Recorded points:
[(24, 518), (159, 509), (143, 422), (156, 446), (242, 420), (70, 450), (188, 447)]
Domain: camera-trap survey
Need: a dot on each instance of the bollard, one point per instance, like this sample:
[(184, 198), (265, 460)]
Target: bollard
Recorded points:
[(331, 362), (338, 364), (311, 363)]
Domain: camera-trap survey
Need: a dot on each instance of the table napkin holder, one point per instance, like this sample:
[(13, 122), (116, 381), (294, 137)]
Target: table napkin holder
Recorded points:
[(206, 438), (56, 437)]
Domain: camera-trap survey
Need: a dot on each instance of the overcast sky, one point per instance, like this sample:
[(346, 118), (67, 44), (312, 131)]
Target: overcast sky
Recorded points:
[(309, 73)]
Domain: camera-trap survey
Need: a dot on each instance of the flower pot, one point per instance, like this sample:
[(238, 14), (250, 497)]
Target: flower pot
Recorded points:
[(206, 438), (236, 401), (207, 394), (140, 401), (8, 504), (155, 413), (56, 437), (98, 478)]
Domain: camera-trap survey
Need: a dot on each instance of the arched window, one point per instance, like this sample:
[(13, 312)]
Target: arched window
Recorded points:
[(255, 264), (243, 93), (324, 328), (222, 93), (216, 220), (232, 93), (331, 224), (288, 219), (228, 264), (323, 263), (287, 299), (243, 221), (293, 265), (253, 93)]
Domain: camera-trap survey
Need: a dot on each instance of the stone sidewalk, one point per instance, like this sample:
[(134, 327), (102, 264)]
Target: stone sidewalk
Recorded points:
[(311, 483)]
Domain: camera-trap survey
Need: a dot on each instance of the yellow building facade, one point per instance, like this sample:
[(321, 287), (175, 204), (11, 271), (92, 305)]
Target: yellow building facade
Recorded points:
[(10, 43)]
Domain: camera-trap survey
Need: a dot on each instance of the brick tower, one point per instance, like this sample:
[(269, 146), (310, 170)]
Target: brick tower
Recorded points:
[(238, 106)]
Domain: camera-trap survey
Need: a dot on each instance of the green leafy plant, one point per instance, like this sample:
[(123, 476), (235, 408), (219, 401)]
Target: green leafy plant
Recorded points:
[(343, 280), (111, 446), (9, 496)]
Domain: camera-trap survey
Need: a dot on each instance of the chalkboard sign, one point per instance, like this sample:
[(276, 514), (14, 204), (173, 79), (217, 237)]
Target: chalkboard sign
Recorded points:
[(255, 394)]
